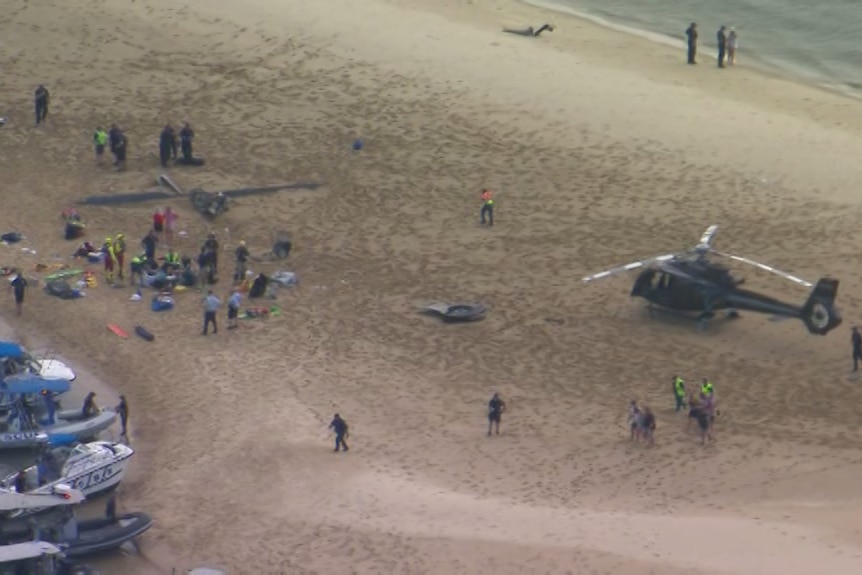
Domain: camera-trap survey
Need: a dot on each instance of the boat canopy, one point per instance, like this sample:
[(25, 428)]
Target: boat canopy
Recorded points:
[(24, 383), (11, 349)]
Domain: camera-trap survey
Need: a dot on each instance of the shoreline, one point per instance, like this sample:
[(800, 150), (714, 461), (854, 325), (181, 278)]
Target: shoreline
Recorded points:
[(769, 69)]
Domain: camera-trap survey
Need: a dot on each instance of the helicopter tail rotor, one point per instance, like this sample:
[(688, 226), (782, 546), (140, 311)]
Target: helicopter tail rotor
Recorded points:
[(819, 312)]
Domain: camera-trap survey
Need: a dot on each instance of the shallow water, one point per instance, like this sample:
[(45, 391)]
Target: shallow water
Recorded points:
[(814, 41)]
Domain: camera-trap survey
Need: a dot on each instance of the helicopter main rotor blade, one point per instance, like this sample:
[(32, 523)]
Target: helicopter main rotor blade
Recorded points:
[(764, 267), (628, 267), (706, 238)]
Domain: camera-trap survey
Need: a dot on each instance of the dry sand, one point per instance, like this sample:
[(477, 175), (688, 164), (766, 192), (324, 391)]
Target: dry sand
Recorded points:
[(603, 148)]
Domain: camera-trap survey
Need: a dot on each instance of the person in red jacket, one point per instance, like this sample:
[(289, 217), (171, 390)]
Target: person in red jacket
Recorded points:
[(158, 221)]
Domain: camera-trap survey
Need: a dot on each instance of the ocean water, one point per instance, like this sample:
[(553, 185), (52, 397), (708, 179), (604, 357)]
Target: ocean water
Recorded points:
[(814, 41)]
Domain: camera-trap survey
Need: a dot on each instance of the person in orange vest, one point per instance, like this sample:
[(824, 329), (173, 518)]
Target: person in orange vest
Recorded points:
[(487, 206)]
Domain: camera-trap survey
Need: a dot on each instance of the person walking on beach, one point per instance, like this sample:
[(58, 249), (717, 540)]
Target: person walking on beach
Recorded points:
[(114, 134), (41, 100), (100, 140), (496, 407), (679, 392), (342, 432), (487, 206), (122, 410), (120, 151), (18, 285), (691, 34), (233, 309), (721, 38), (211, 305), (856, 340), (731, 47)]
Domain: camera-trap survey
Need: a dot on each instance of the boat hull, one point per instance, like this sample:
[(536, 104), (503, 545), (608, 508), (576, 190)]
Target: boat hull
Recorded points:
[(99, 535), (23, 439)]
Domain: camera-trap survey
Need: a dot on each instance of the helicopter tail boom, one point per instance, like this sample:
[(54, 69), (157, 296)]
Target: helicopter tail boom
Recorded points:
[(819, 313)]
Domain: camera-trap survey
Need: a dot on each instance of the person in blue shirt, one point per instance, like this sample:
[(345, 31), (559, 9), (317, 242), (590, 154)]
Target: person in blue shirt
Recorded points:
[(233, 309), (211, 305)]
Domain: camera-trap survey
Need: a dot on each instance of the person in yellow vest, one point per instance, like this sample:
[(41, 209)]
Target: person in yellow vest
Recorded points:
[(679, 392), (120, 253), (172, 261), (110, 259), (706, 388), (100, 140), (487, 206)]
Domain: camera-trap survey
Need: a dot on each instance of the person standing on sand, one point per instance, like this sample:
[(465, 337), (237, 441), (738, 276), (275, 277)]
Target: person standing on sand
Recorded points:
[(170, 224), (186, 137), (100, 140), (342, 432), (41, 99), (233, 308), (90, 408), (122, 410), (691, 33), (487, 206), (721, 38), (120, 253), (496, 407), (679, 392), (114, 134), (149, 244), (242, 255), (120, 151), (18, 285), (211, 305), (731, 47), (167, 145), (856, 340), (110, 258)]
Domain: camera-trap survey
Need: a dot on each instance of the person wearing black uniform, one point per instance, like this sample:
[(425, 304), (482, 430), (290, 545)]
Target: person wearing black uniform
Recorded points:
[(496, 407), (721, 38), (149, 243), (19, 284), (211, 249), (114, 134), (691, 33), (41, 99), (339, 426), (186, 137), (120, 151), (167, 145), (857, 347)]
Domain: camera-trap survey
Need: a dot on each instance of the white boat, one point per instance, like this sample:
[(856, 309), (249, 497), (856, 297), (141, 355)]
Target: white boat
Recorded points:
[(91, 468), (15, 359)]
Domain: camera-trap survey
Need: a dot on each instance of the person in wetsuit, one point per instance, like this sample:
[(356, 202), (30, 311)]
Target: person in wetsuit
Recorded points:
[(691, 34), (40, 100)]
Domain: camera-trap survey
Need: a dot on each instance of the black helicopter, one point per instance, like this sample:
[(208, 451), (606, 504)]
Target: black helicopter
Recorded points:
[(690, 282)]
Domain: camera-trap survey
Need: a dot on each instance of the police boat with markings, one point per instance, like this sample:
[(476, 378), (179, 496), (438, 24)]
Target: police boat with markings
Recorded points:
[(91, 468), (20, 427)]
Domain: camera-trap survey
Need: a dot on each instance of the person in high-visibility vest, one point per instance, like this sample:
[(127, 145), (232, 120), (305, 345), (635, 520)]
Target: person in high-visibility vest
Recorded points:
[(100, 140), (110, 259), (487, 206), (679, 392), (120, 253), (706, 388)]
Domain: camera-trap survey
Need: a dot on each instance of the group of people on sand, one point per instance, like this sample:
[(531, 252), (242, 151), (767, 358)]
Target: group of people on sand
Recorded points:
[(726, 43), (701, 409)]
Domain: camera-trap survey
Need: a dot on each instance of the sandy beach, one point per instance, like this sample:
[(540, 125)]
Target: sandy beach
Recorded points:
[(602, 148)]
